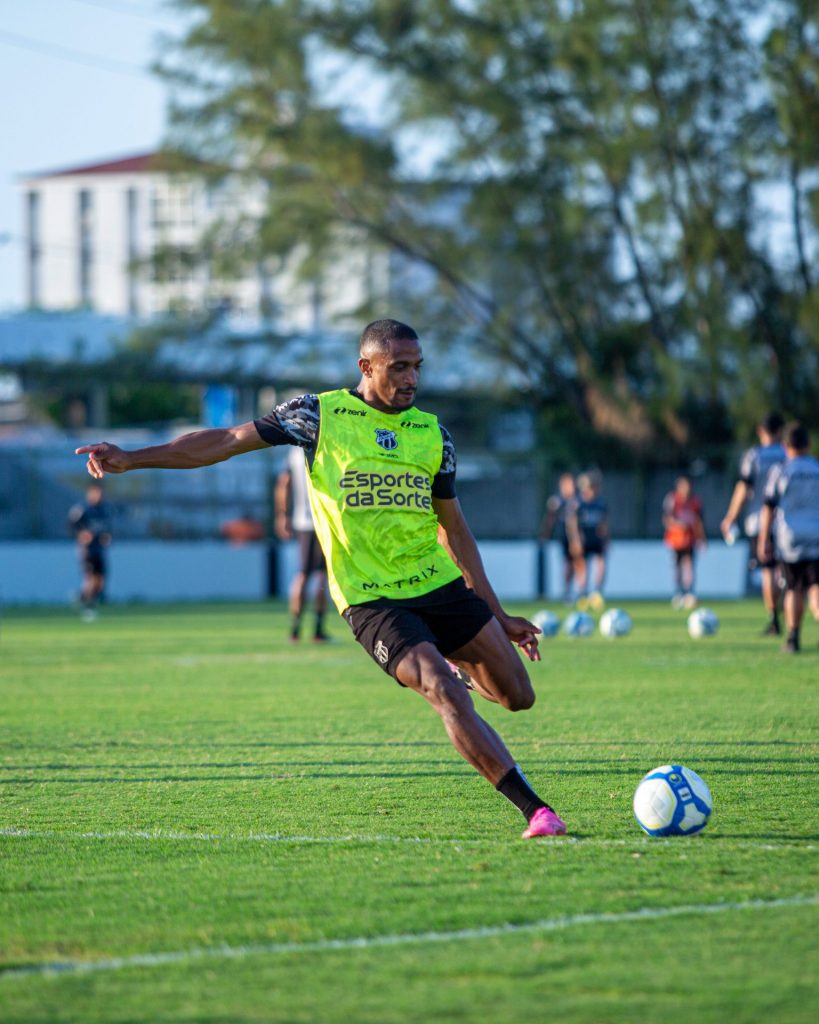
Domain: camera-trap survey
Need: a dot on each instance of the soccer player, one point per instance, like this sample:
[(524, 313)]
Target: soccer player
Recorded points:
[(404, 568), (554, 524), (684, 533), (295, 520), (588, 530), (749, 491), (791, 508), (91, 525)]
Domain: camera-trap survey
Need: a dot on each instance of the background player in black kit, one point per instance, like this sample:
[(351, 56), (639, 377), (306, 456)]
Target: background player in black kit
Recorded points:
[(587, 524), (554, 524), (91, 525)]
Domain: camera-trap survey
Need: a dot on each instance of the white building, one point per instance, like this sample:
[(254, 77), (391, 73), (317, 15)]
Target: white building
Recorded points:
[(93, 234)]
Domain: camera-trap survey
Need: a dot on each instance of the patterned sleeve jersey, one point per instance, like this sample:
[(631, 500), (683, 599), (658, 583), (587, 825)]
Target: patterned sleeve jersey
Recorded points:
[(297, 422), (754, 468), (792, 490)]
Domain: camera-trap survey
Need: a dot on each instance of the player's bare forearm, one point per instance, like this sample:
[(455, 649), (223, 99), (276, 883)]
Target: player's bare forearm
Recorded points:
[(459, 541), (765, 521), (735, 505), (546, 527), (190, 451)]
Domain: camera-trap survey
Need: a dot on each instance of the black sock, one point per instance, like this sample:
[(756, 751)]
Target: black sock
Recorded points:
[(793, 637), (775, 617), (295, 627), (319, 623), (515, 788)]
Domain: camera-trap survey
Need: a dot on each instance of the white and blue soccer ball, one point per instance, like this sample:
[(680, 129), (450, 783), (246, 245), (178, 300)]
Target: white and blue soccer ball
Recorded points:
[(578, 624), (702, 622), (672, 801), (615, 622), (547, 622)]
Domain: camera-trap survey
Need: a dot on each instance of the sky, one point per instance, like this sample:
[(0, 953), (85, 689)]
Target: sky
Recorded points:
[(76, 89)]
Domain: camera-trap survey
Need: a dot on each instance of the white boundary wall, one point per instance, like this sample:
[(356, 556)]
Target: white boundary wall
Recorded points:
[(33, 572), (644, 569)]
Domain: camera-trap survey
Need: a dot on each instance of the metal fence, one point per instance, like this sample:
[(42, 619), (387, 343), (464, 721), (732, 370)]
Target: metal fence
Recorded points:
[(503, 497)]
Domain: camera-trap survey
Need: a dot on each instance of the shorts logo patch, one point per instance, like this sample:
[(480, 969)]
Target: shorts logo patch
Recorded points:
[(381, 652), (386, 439)]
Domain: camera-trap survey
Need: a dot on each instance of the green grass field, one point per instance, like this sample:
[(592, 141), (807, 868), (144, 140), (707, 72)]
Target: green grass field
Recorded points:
[(202, 823)]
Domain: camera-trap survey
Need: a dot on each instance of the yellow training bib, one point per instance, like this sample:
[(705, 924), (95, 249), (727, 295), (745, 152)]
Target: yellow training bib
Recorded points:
[(371, 495)]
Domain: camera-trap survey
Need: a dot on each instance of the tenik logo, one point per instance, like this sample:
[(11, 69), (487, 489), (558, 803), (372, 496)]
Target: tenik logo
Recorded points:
[(386, 439), (381, 652)]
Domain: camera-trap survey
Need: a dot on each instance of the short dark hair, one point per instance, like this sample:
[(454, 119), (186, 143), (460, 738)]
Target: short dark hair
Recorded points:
[(797, 437), (377, 336), (773, 423)]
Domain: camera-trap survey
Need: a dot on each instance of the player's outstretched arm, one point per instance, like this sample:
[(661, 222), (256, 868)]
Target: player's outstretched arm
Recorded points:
[(738, 497), (455, 535), (763, 542), (190, 451)]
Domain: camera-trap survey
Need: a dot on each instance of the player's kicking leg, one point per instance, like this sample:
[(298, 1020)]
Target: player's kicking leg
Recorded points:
[(497, 673)]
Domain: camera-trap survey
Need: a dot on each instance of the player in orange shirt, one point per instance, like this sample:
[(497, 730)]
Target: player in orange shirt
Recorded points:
[(684, 533)]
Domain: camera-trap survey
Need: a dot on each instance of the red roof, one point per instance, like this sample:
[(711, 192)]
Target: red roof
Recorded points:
[(139, 164)]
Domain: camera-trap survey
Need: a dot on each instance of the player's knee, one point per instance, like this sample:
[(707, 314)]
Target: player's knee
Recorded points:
[(519, 693), (521, 700), (446, 693)]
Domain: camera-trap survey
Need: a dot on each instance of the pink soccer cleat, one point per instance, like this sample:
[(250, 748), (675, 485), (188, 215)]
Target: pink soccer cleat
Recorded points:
[(459, 673), (544, 822)]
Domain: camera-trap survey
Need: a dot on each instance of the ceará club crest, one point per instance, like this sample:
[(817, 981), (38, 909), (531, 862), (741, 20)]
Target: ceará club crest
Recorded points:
[(386, 439)]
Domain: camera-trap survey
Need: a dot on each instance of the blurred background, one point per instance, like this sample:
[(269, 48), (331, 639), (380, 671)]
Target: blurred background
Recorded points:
[(601, 217)]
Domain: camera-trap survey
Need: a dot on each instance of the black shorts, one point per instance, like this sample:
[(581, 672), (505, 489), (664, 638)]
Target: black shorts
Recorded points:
[(311, 557), (448, 617), (681, 553), (753, 562), (594, 546), (801, 575), (93, 562)]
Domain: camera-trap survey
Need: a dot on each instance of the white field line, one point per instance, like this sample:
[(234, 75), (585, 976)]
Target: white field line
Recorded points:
[(549, 924), (556, 842)]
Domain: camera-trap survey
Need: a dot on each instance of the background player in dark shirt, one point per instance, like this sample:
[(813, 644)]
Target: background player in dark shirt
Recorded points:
[(748, 496), (554, 525), (91, 525), (791, 512), (587, 523)]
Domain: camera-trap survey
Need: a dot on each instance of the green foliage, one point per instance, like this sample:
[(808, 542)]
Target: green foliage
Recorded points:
[(204, 722), (619, 198), (152, 403)]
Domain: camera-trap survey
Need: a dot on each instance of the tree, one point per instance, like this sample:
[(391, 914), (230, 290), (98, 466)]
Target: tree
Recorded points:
[(590, 187)]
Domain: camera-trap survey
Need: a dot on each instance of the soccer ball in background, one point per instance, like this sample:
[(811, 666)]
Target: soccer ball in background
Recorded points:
[(702, 622), (547, 622), (615, 622), (672, 801), (579, 624)]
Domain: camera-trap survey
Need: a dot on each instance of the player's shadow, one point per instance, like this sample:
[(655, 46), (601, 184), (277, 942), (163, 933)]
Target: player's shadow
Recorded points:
[(585, 767), (178, 766), (716, 837), (222, 744), (293, 776)]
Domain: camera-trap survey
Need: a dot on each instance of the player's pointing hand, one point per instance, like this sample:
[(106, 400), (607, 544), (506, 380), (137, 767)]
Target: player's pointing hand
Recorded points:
[(104, 458)]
